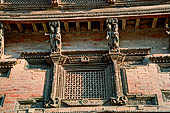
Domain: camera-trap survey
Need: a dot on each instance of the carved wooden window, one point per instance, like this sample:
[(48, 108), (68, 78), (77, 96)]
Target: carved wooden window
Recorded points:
[(86, 84)]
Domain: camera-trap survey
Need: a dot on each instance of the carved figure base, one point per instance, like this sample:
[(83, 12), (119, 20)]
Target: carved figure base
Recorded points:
[(120, 100)]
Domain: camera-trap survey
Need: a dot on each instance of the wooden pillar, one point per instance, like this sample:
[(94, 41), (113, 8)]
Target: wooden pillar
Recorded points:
[(1, 40), (117, 76)]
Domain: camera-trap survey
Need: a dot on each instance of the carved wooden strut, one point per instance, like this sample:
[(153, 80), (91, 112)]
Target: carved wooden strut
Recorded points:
[(55, 36), (112, 34), (168, 27), (1, 39)]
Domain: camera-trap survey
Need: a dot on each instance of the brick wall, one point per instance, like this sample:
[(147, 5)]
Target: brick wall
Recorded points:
[(21, 84), (17, 43), (147, 79), (158, 40)]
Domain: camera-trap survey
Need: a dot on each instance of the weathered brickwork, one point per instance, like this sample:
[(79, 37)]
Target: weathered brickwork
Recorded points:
[(146, 80), (156, 39), (22, 84)]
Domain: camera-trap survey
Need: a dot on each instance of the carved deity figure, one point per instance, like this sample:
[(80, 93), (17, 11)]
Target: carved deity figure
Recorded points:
[(112, 34), (55, 36)]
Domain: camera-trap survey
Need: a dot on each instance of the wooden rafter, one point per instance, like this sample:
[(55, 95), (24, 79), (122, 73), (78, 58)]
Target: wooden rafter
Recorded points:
[(34, 27), (45, 27), (78, 26), (101, 25), (123, 24), (66, 26), (20, 27), (8, 26), (89, 26), (137, 23), (166, 22), (154, 23)]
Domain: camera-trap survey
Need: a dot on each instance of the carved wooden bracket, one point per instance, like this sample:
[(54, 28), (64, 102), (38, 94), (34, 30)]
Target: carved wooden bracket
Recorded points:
[(58, 58), (1, 39), (112, 34), (168, 26), (55, 36)]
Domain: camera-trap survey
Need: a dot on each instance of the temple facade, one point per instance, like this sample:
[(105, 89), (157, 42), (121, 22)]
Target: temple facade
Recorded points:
[(84, 56)]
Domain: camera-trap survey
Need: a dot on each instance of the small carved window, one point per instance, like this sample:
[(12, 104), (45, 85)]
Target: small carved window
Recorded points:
[(5, 72), (2, 100)]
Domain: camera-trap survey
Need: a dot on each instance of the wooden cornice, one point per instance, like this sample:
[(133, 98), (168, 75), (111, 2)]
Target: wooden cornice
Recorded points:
[(34, 55), (158, 10), (7, 64)]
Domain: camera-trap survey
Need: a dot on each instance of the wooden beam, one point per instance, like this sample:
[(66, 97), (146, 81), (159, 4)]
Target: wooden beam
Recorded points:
[(166, 22), (154, 23), (89, 26), (78, 26), (137, 23), (8, 26), (45, 27), (34, 27), (20, 27), (123, 24), (66, 26), (101, 25)]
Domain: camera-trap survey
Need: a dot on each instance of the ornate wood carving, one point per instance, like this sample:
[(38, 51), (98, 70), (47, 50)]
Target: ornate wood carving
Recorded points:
[(111, 2), (160, 59), (112, 34), (142, 99), (1, 39), (135, 51), (120, 100), (35, 54), (55, 36), (85, 102)]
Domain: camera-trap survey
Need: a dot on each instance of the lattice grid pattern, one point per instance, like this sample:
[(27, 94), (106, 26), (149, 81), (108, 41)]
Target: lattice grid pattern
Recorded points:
[(85, 84), (27, 1), (83, 1)]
